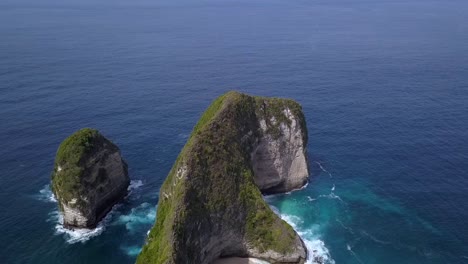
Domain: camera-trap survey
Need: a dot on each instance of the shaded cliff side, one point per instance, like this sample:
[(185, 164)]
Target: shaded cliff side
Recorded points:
[(210, 205), (89, 178)]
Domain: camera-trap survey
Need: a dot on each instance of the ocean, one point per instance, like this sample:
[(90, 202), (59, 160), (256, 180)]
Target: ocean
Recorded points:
[(383, 85)]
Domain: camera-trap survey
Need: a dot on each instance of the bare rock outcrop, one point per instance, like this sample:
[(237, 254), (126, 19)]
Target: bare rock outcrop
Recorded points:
[(279, 159)]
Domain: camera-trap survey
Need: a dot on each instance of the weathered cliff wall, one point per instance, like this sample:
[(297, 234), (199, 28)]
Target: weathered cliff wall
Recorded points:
[(89, 178)]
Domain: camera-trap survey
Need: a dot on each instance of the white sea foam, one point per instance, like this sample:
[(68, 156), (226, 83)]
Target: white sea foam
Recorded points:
[(274, 209), (134, 184), (71, 235), (293, 190), (131, 250), (311, 199), (138, 217), (318, 252), (46, 194), (79, 234), (331, 196), (144, 214)]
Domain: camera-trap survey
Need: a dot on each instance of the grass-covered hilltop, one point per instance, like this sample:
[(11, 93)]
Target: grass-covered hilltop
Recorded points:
[(211, 205), (89, 177)]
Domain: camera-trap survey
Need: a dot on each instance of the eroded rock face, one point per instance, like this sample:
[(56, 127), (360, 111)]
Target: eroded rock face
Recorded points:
[(89, 178), (279, 160), (210, 205)]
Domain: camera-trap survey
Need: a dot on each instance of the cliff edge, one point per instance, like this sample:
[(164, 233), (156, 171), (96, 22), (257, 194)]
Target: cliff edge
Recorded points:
[(211, 205), (89, 178)]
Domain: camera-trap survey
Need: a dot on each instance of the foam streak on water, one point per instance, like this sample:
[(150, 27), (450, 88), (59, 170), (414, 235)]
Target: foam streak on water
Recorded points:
[(323, 169)]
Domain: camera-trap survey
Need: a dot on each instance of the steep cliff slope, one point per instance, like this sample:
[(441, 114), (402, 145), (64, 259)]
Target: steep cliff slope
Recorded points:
[(210, 206), (89, 178)]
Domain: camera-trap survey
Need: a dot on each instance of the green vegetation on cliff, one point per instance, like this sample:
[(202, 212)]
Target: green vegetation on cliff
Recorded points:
[(210, 190), (69, 168)]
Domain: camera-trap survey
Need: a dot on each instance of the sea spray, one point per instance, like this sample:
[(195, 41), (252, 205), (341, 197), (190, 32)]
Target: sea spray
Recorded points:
[(82, 235), (310, 234), (71, 235), (46, 194), (144, 214), (317, 251), (134, 184)]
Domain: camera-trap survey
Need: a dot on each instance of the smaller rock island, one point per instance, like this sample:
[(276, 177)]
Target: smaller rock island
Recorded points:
[(89, 178)]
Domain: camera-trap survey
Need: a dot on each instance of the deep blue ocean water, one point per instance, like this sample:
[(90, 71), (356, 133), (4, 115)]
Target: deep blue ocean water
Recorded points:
[(383, 84)]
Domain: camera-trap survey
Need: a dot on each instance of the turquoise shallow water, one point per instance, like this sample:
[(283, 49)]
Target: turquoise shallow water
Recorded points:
[(383, 84)]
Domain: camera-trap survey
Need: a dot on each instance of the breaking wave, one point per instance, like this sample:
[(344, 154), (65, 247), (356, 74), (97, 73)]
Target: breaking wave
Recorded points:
[(76, 235), (134, 184), (318, 252), (46, 195), (142, 215)]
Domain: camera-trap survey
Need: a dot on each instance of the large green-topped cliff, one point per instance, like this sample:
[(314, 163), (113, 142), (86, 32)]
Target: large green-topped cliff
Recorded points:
[(211, 204)]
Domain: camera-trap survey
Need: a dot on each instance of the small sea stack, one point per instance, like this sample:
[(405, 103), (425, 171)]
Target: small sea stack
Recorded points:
[(89, 178)]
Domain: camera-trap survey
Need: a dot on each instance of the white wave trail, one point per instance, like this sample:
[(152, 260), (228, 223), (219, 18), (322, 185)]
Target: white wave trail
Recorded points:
[(323, 169), (349, 229), (350, 249), (331, 196), (363, 232)]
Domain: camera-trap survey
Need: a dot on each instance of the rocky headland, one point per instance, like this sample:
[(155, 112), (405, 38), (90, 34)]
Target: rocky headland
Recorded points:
[(89, 178), (211, 205)]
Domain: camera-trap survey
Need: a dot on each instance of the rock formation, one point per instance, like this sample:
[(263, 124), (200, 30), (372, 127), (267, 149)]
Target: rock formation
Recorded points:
[(211, 206), (89, 178), (279, 157)]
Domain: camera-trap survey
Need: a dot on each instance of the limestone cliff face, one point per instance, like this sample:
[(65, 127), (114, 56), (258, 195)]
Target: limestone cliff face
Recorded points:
[(210, 205), (89, 178), (279, 159)]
